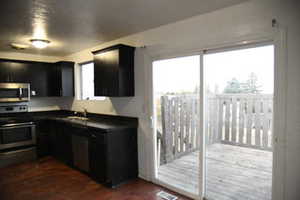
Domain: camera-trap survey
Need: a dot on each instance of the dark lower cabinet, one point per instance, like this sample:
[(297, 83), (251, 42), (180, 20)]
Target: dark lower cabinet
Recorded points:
[(62, 144), (109, 157), (98, 156), (54, 138), (43, 138), (121, 156)]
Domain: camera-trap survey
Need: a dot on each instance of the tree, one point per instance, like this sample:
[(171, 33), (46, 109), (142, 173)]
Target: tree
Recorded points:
[(251, 85), (233, 86)]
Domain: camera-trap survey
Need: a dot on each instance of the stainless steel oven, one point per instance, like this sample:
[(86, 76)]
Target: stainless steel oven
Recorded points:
[(14, 92), (17, 135)]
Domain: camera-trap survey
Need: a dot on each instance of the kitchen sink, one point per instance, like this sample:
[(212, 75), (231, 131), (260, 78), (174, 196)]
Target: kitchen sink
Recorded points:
[(78, 118)]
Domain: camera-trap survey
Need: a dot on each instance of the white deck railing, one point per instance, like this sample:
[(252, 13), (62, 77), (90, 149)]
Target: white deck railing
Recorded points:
[(236, 119)]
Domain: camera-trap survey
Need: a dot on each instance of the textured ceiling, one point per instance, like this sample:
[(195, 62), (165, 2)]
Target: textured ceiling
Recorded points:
[(73, 25)]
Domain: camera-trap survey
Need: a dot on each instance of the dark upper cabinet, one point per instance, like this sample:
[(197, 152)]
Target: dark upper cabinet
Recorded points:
[(14, 71), (5, 71), (34, 73), (45, 79), (114, 71), (38, 78), (61, 79)]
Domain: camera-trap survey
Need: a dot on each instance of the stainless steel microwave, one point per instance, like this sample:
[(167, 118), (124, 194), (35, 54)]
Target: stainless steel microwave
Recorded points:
[(14, 92)]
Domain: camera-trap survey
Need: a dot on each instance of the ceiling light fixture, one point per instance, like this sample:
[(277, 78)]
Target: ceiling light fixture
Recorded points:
[(40, 44), (18, 46)]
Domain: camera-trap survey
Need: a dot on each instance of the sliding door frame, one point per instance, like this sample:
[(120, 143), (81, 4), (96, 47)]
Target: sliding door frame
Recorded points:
[(153, 127), (278, 39)]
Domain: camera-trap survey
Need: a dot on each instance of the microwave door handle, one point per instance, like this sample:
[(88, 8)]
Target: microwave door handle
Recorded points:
[(20, 93)]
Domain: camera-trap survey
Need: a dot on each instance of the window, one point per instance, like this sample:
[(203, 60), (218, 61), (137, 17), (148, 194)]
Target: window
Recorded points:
[(87, 82)]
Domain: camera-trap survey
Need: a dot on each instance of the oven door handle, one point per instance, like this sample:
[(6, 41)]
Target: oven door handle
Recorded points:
[(19, 125), (16, 151)]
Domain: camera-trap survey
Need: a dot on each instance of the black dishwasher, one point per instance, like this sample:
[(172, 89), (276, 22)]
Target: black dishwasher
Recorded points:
[(80, 149)]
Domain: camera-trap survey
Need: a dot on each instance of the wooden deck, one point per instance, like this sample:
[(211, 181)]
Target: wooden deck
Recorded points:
[(233, 173)]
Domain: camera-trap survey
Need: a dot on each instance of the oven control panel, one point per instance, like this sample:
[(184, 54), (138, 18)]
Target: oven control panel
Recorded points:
[(13, 108)]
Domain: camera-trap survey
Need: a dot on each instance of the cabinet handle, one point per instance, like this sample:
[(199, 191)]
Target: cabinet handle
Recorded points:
[(93, 136)]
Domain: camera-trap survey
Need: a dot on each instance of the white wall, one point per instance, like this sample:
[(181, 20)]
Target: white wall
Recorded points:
[(244, 21)]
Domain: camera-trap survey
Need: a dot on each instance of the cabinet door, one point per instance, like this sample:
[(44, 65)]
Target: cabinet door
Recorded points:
[(62, 145), (4, 71), (126, 72), (99, 76), (54, 81), (55, 140), (43, 138), (61, 79), (37, 77), (19, 72), (66, 144), (14, 71), (106, 73), (98, 156), (67, 76)]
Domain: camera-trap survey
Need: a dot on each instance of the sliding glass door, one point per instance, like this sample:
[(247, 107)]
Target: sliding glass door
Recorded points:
[(238, 124), (213, 117), (176, 84)]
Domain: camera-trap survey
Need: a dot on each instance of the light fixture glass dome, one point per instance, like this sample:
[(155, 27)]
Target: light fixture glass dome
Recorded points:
[(40, 44)]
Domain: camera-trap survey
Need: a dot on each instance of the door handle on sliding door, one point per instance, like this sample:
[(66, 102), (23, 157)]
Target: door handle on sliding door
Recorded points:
[(151, 122)]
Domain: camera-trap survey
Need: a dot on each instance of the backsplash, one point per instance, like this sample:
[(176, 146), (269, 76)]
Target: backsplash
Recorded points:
[(50, 103)]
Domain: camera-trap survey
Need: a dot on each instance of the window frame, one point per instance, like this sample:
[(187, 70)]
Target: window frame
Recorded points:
[(101, 98)]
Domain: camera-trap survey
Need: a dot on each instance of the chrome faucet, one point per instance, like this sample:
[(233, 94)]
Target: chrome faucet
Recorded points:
[(84, 113)]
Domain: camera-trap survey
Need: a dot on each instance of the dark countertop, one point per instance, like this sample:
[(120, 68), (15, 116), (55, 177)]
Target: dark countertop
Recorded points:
[(99, 121), (103, 124)]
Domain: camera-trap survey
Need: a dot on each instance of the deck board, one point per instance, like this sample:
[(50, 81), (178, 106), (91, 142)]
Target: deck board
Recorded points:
[(232, 173)]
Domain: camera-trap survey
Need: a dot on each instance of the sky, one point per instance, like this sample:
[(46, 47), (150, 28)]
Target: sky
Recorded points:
[(183, 73), (177, 74)]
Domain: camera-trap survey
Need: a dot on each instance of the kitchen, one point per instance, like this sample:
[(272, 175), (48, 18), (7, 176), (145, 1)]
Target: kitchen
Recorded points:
[(101, 146), (84, 131)]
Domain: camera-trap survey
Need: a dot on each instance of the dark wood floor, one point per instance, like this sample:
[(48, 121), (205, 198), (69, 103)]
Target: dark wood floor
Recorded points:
[(48, 179)]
